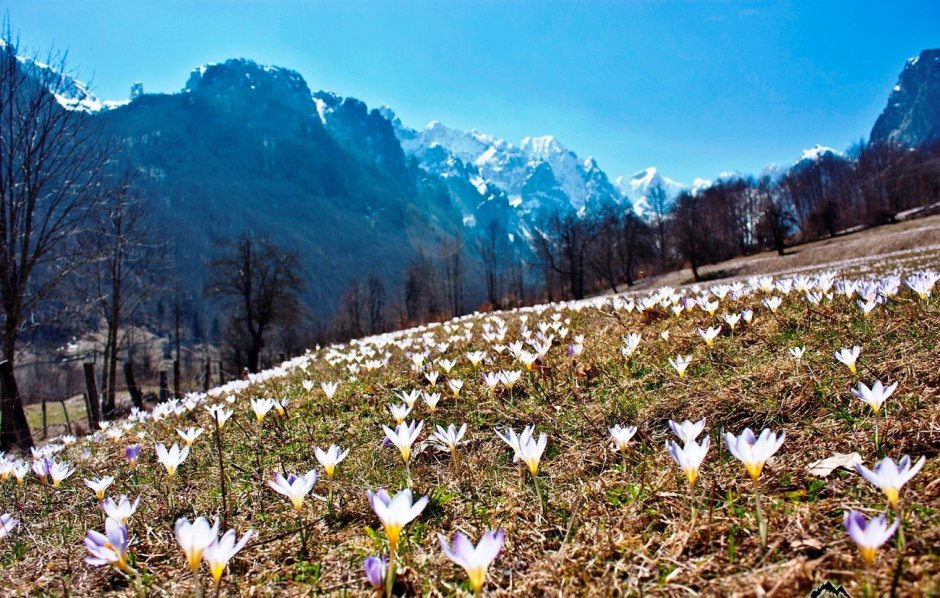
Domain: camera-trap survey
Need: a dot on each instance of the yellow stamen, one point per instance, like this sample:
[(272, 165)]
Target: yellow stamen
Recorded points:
[(892, 494), (477, 576)]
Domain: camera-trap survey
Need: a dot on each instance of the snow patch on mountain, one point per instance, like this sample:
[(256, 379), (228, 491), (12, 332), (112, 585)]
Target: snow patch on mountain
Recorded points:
[(68, 91), (638, 188)]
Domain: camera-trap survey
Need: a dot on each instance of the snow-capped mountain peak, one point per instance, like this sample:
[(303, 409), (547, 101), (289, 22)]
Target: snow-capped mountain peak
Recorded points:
[(816, 152), (637, 189), (538, 174), (68, 91)]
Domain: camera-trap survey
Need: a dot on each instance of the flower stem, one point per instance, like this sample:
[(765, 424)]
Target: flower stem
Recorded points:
[(538, 493), (303, 535), (218, 446), (390, 574), (761, 524), (900, 516)]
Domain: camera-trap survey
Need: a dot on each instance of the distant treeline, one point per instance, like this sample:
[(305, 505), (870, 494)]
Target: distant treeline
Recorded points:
[(610, 248)]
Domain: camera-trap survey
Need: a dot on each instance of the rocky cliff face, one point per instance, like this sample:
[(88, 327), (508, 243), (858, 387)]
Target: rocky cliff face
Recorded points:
[(912, 117)]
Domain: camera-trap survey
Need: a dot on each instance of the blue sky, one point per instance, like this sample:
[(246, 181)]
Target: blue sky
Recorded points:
[(694, 88)]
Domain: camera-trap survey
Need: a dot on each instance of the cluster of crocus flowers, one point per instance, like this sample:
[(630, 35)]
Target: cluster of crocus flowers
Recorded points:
[(200, 541), (111, 547), (194, 537), (475, 560), (53, 472)]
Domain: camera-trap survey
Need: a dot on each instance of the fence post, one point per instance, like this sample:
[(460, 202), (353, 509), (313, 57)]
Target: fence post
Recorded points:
[(68, 422), (176, 378), (221, 374), (94, 414), (136, 396), (45, 429), (207, 379), (164, 386)]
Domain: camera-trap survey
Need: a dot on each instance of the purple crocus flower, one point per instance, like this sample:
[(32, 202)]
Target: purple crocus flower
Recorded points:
[(376, 568), (7, 523), (42, 468), (133, 454), (109, 548), (869, 535)]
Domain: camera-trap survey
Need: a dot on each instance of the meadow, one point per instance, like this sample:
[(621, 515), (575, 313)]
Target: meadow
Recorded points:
[(581, 504)]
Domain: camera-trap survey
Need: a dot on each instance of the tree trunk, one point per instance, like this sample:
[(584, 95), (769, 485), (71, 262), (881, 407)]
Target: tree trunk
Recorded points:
[(14, 431)]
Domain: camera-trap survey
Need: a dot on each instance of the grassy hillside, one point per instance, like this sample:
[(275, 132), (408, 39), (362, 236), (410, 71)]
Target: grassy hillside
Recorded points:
[(612, 523)]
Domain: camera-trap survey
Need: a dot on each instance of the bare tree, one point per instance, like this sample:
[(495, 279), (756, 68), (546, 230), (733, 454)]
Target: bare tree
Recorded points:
[(634, 244), (352, 307), (452, 248), (123, 257), (259, 284), (689, 233), (490, 247), (659, 204), (375, 303), (51, 162), (563, 243), (776, 222)]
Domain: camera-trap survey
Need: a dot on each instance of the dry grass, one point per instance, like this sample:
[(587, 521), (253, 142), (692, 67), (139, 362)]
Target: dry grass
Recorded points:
[(614, 525)]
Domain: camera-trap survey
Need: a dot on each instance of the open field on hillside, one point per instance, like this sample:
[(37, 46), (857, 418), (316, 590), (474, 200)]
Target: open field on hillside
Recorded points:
[(610, 523), (907, 245)]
